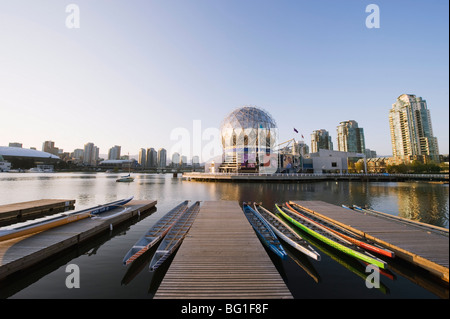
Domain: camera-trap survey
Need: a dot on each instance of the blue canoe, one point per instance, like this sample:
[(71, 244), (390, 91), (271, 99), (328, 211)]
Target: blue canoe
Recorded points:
[(264, 231)]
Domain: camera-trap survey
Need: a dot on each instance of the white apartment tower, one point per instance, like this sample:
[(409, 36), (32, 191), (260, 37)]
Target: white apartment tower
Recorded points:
[(90, 154), (114, 153), (411, 131)]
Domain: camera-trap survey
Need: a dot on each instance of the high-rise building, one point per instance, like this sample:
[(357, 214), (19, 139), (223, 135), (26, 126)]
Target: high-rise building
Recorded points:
[(321, 139), (411, 131), (152, 158), (77, 155), (162, 158), (183, 161), (114, 153), (90, 154), (142, 160), (175, 159), (350, 137), (195, 161), (49, 147)]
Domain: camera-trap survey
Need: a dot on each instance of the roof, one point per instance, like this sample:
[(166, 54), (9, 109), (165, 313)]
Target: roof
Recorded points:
[(24, 152)]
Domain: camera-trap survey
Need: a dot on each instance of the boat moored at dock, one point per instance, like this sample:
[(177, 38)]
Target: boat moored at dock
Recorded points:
[(48, 222), (284, 231), (340, 231), (264, 231), (174, 237), (154, 235), (329, 237)]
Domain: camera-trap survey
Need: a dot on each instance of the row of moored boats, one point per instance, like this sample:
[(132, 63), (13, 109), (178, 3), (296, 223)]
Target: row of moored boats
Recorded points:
[(273, 229), (286, 225), (291, 220)]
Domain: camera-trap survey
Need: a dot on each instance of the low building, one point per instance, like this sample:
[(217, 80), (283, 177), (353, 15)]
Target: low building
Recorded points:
[(23, 158), (120, 164), (329, 161)]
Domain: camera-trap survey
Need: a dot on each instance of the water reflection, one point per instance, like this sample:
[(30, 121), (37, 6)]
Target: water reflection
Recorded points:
[(328, 278), (425, 202), (428, 203)]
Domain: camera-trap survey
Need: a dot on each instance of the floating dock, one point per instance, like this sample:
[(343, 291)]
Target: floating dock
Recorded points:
[(12, 213), (425, 247), (222, 257), (23, 252)]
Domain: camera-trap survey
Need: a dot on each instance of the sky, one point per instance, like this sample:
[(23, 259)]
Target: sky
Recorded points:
[(164, 73)]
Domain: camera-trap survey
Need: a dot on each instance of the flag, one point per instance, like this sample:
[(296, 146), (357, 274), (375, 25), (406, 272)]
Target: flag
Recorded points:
[(295, 130)]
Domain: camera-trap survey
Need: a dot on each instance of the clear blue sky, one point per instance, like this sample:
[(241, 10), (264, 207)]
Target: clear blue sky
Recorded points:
[(135, 71)]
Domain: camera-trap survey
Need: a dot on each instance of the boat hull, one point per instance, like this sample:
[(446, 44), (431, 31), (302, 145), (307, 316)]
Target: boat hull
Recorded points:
[(155, 234), (351, 239), (286, 233), (264, 232), (174, 237), (46, 223), (349, 251)]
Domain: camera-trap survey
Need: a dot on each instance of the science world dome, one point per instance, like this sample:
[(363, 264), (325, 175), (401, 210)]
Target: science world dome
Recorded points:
[(248, 133)]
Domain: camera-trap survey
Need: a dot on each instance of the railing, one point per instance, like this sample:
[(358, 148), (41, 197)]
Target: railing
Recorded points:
[(326, 175)]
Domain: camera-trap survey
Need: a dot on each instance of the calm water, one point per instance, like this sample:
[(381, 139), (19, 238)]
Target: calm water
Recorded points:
[(100, 261)]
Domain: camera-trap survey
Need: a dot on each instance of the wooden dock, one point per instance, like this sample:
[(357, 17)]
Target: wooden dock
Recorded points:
[(420, 246), (12, 213), (222, 257), (21, 253)]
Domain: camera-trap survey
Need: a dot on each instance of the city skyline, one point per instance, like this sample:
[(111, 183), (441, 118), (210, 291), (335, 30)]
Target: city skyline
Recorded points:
[(131, 74)]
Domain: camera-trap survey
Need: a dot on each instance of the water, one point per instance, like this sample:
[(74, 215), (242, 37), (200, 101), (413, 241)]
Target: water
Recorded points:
[(100, 261)]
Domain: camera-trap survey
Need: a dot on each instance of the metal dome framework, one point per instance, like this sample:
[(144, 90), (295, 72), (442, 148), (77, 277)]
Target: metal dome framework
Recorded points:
[(248, 136)]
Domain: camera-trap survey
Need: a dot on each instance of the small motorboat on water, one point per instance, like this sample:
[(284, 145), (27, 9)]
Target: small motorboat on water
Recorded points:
[(127, 178)]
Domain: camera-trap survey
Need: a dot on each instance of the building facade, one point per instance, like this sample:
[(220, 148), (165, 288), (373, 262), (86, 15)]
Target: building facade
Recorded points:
[(49, 147), (411, 130), (152, 158), (350, 137), (176, 159), (142, 160), (90, 154), (321, 139), (162, 158), (249, 135), (327, 161), (114, 153), (21, 158)]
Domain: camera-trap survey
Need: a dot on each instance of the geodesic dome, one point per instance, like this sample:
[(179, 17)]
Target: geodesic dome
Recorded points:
[(248, 117), (247, 132)]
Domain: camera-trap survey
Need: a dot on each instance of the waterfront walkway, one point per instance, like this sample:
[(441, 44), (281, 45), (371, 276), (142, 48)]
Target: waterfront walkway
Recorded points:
[(222, 257), (305, 177), (425, 247)]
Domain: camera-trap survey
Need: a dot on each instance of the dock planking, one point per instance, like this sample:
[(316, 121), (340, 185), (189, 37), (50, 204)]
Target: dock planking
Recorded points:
[(222, 258), (23, 252), (15, 212), (419, 246)]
